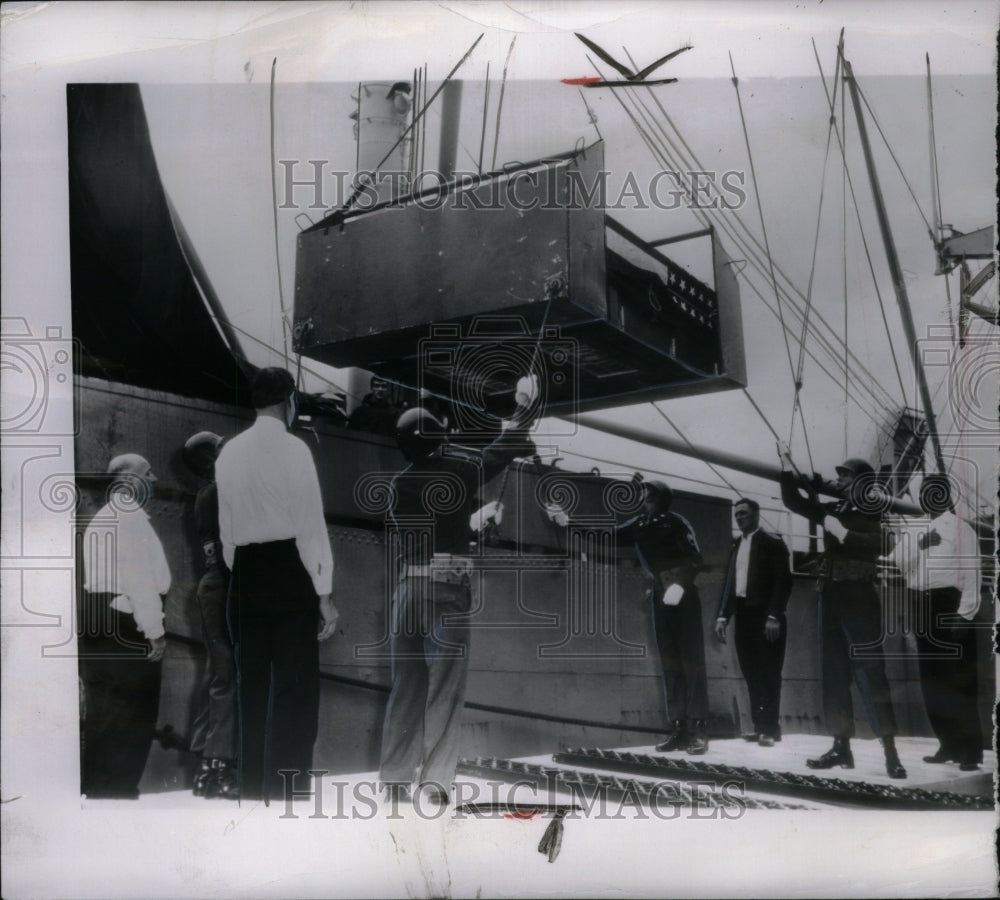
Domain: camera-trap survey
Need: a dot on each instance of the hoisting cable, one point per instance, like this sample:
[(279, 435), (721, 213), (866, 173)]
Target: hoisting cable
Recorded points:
[(591, 114), (844, 179), (861, 230), (659, 156), (714, 469), (800, 367), (823, 341), (885, 141), (760, 211), (274, 209), (503, 86), (350, 201), (868, 382), (486, 109)]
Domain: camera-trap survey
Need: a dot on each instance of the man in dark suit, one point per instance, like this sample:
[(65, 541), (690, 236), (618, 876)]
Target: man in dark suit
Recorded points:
[(758, 583)]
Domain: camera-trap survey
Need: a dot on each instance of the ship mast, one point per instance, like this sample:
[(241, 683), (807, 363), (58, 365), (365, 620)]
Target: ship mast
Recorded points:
[(896, 271)]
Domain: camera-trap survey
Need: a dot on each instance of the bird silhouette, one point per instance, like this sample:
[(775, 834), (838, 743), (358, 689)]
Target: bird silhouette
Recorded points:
[(632, 79)]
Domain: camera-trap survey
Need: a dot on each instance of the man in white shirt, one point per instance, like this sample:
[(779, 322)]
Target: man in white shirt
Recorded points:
[(121, 637), (940, 562), (275, 543)]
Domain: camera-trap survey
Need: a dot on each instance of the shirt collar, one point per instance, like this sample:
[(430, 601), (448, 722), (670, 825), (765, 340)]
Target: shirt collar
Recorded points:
[(748, 537), (269, 423)]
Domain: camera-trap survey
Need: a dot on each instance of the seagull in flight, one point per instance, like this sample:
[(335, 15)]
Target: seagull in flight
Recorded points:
[(632, 79)]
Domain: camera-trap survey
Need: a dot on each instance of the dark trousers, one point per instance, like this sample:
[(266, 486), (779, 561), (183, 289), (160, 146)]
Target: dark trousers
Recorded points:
[(761, 661), (215, 727), (274, 618), (851, 636), (949, 673), (122, 699), (430, 664), (681, 644)]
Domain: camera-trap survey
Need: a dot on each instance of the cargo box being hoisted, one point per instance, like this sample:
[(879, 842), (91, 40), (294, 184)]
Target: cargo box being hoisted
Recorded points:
[(424, 288)]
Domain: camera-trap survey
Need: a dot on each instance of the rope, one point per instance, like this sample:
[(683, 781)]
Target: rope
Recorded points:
[(486, 109), (357, 192), (868, 382), (763, 227), (722, 224), (714, 469), (885, 140), (864, 240), (796, 404), (845, 177), (274, 210), (661, 157), (503, 86)]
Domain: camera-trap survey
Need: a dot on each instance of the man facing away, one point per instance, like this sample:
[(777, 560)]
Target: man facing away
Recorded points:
[(668, 553), (275, 542), (121, 637), (850, 610), (940, 561), (433, 513), (758, 583)]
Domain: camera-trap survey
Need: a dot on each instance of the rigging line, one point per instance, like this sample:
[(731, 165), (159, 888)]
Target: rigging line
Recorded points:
[(620, 465), (843, 255), (885, 140), (422, 123), (661, 158), (805, 436), (486, 109), (858, 401), (760, 210), (841, 143), (590, 114), (935, 172), (825, 339), (420, 117), (411, 164), (715, 470), (274, 210), (800, 367), (819, 218), (274, 350), (503, 86), (895, 268)]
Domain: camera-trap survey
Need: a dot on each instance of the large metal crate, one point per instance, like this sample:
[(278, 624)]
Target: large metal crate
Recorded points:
[(461, 291)]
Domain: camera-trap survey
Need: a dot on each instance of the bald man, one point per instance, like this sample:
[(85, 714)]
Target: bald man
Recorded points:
[(121, 637)]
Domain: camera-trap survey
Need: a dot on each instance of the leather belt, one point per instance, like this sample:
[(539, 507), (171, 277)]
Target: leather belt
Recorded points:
[(443, 567)]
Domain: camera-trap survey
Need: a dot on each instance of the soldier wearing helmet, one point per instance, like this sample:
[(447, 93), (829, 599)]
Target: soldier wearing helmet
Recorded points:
[(668, 553), (850, 610), (430, 521)]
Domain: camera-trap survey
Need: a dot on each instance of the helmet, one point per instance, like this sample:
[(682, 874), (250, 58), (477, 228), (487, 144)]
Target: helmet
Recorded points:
[(200, 451), (855, 466), (419, 433), (659, 493)]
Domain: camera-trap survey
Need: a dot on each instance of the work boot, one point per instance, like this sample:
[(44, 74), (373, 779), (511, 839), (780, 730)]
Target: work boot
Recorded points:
[(941, 756), (202, 778), (838, 755), (677, 738), (225, 780), (893, 767), (698, 745)]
